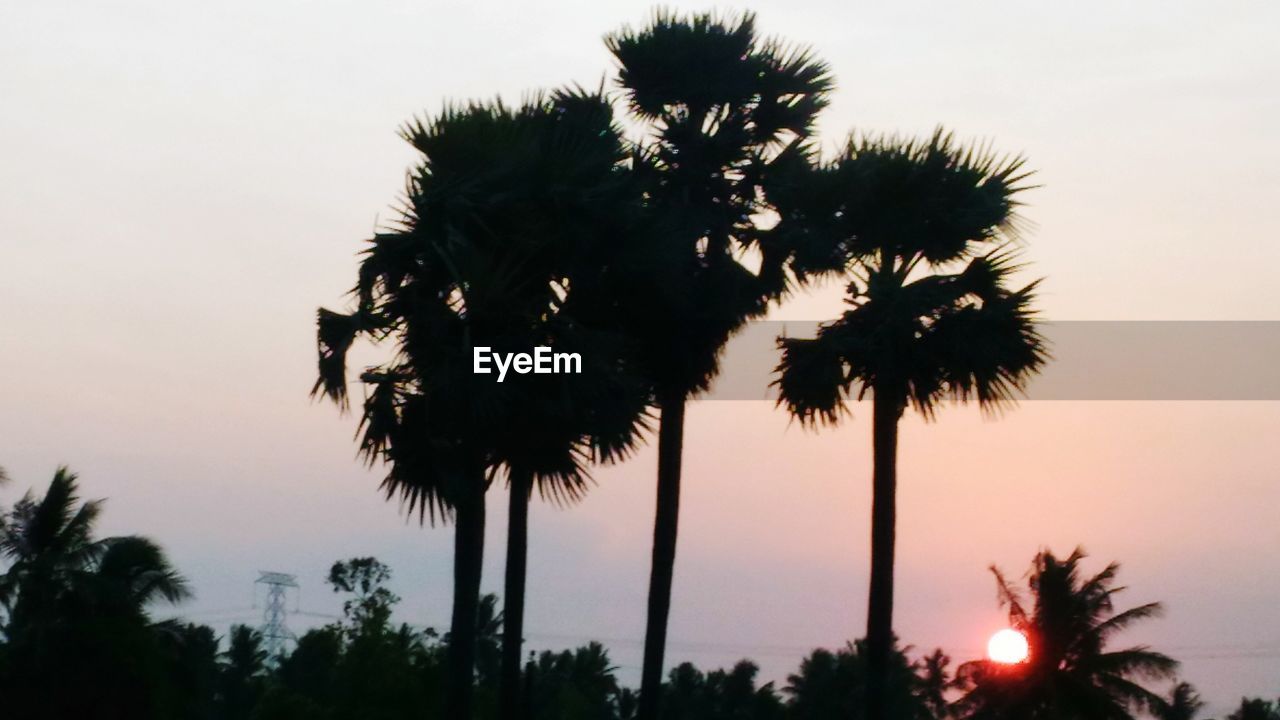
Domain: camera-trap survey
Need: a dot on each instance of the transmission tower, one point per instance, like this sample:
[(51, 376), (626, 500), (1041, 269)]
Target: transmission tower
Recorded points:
[(275, 633)]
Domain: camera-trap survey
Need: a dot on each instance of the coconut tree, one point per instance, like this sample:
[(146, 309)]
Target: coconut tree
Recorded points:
[(721, 106), (48, 541), (507, 222), (1070, 672), (1256, 709), (244, 669), (922, 230), (79, 638), (1183, 703), (834, 684)]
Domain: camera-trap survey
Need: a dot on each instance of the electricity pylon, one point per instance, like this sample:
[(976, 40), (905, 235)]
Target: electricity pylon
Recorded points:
[(275, 633)]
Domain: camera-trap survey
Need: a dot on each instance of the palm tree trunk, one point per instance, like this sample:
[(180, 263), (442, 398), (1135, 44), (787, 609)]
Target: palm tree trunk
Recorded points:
[(885, 414), (670, 445), (513, 600), (468, 559)]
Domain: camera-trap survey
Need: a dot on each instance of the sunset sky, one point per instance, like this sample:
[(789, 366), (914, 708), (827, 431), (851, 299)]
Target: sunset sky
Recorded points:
[(182, 184)]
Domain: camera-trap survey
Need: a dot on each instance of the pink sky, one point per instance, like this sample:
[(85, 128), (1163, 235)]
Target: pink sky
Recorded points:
[(184, 183)]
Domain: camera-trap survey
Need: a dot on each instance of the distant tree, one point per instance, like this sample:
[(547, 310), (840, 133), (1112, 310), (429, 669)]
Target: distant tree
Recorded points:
[(572, 685), (380, 674), (190, 655), (1070, 672), (79, 640), (244, 667), (1256, 709), (1183, 703), (834, 685), (369, 611), (721, 105), (310, 672), (691, 694), (933, 683), (922, 230)]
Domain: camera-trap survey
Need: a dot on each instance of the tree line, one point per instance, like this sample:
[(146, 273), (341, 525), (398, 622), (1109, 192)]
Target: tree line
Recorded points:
[(78, 639)]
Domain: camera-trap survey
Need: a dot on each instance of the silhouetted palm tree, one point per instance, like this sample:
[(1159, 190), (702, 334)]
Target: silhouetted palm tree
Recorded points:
[(723, 106), (923, 230), (691, 694), (573, 685), (835, 685), (191, 659), (503, 220), (47, 540), (580, 204), (1256, 709), (934, 683), (1183, 703), (244, 664), (79, 639), (1069, 673)]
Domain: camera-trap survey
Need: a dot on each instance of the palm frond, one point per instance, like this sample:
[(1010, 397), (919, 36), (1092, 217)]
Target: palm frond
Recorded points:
[(335, 332), (1137, 661), (141, 567), (1122, 620), (812, 381)]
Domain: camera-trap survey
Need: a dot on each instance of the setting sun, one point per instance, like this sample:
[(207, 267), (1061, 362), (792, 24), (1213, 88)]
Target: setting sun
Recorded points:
[(1008, 647)]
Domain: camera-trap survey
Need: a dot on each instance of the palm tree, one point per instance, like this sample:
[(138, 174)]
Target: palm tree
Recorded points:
[(1183, 703), (244, 665), (562, 423), (835, 684), (79, 639), (1256, 709), (934, 681), (1070, 673), (723, 107), (503, 221), (48, 541), (573, 685), (922, 228)]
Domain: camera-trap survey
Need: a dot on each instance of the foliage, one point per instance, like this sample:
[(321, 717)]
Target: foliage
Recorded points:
[(925, 230), (78, 637), (833, 684), (1070, 671), (723, 109), (1256, 709), (1183, 703)]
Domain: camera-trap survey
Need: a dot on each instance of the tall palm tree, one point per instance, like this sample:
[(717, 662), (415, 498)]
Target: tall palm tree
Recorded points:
[(922, 229), (722, 106), (504, 227), (1069, 673), (581, 205)]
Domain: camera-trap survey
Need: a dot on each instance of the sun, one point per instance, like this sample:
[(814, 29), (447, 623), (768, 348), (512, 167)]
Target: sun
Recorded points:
[(1008, 647)]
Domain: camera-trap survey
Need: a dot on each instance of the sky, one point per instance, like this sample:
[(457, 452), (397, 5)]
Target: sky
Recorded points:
[(182, 184)]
